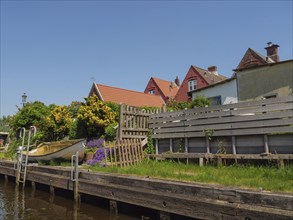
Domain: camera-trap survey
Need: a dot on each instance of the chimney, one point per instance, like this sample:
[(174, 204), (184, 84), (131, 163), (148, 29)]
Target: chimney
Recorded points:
[(177, 81), (213, 69), (272, 51)]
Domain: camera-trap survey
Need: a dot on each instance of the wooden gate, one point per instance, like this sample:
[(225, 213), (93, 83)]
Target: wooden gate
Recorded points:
[(133, 122), (124, 153)]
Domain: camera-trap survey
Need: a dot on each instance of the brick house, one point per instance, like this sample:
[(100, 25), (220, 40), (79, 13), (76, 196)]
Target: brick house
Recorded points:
[(166, 89), (125, 96), (197, 78)]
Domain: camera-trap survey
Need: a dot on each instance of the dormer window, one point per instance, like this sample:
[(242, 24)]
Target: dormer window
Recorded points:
[(152, 91), (192, 84)]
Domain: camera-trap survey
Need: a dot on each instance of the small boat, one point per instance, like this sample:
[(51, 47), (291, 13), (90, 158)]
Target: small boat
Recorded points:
[(58, 149)]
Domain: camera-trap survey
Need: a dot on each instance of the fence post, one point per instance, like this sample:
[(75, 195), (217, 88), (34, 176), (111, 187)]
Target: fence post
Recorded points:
[(186, 145), (157, 146), (233, 145), (171, 145), (208, 145), (120, 127), (266, 144)]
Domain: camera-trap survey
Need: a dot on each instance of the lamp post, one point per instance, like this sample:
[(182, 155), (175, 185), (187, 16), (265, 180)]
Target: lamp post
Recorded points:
[(24, 96)]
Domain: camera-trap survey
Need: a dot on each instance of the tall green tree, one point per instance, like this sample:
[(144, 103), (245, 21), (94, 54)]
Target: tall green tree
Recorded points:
[(31, 114)]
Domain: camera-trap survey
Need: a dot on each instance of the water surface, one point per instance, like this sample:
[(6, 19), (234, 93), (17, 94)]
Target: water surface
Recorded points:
[(19, 204)]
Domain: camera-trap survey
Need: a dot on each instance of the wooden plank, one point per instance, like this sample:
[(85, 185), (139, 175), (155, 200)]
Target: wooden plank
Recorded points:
[(137, 159), (239, 118), (134, 136), (238, 112), (223, 156), (121, 123), (227, 126), (214, 109), (132, 146), (230, 132), (136, 129), (266, 105)]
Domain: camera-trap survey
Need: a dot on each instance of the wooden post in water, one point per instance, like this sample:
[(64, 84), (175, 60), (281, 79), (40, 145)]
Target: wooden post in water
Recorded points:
[(113, 207), (74, 177), (52, 194), (164, 215), (33, 188)]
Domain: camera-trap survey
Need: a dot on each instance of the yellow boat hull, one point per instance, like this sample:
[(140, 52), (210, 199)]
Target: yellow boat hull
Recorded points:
[(59, 149)]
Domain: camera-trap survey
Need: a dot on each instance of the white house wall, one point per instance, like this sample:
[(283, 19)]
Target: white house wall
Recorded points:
[(227, 91)]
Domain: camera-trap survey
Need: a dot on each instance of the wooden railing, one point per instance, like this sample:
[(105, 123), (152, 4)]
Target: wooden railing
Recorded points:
[(264, 126)]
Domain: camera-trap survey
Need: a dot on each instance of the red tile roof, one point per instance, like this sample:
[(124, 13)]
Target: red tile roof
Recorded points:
[(169, 89), (128, 97)]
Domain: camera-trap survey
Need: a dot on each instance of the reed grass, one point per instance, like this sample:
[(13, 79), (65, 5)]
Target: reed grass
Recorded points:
[(268, 178)]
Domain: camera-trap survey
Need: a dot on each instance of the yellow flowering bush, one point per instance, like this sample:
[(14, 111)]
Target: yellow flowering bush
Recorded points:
[(96, 116), (58, 123)]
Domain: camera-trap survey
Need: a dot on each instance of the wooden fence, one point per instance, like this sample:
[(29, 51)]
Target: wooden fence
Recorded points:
[(257, 127), (124, 153), (133, 122)]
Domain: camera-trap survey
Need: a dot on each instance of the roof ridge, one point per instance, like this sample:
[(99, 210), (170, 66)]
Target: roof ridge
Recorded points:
[(199, 68), (162, 79), (219, 75)]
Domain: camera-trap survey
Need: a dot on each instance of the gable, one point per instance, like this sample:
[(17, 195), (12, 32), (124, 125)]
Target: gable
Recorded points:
[(203, 78), (192, 74), (252, 58), (165, 89)]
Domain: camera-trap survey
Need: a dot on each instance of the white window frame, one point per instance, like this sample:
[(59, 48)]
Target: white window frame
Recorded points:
[(152, 91), (192, 85)]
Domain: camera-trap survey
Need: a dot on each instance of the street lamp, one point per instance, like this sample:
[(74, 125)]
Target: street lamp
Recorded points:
[(24, 96)]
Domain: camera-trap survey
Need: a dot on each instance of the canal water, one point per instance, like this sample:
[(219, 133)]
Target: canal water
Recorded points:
[(19, 204)]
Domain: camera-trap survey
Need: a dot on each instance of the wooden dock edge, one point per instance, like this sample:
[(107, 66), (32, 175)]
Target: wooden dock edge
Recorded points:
[(201, 201)]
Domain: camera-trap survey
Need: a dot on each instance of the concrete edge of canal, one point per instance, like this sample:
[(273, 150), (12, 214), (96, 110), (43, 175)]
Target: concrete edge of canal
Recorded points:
[(200, 201)]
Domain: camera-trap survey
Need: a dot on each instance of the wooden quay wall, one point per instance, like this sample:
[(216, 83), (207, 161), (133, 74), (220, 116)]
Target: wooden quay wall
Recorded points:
[(200, 201)]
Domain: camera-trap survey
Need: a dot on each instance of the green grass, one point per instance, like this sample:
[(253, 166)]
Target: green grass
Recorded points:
[(267, 178)]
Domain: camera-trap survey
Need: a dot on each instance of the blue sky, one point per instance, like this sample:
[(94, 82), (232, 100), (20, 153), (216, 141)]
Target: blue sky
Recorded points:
[(52, 50)]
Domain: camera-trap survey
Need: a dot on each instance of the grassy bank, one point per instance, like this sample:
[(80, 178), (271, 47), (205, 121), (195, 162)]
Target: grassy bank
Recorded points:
[(267, 178)]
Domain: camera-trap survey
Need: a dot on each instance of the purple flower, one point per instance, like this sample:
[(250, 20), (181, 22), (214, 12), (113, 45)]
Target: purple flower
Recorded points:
[(99, 156), (98, 143)]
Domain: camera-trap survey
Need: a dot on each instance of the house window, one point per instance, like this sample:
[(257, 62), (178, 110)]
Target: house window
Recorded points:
[(152, 91), (216, 100), (192, 84)]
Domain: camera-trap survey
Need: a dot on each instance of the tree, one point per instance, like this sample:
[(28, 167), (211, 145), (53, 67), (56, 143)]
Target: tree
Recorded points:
[(95, 115), (31, 114)]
